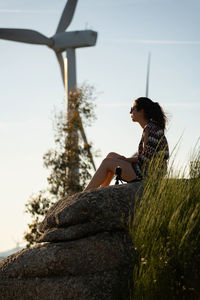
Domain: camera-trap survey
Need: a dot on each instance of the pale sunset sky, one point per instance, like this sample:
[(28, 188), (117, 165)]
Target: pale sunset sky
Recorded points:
[(31, 86)]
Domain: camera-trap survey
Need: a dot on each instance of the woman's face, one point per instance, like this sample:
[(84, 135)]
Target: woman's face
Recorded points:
[(136, 115)]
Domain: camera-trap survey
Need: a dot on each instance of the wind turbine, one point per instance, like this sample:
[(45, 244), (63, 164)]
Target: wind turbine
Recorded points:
[(61, 41), (148, 74), (147, 82)]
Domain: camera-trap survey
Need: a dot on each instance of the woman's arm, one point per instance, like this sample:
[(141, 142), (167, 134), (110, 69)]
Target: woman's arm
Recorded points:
[(147, 152)]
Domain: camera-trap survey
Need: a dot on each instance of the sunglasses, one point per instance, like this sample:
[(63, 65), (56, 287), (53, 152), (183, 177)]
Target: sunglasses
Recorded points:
[(134, 108)]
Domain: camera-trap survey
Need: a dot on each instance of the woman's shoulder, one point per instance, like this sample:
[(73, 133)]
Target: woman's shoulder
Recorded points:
[(153, 128)]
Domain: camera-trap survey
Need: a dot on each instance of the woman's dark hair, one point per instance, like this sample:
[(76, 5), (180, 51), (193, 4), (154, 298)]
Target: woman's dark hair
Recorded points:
[(152, 111)]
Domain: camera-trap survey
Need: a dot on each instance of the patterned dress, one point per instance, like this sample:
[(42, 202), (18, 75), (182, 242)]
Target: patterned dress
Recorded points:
[(156, 146)]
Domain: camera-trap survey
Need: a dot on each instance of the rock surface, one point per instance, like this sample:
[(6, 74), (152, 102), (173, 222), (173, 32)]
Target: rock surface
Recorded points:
[(86, 252)]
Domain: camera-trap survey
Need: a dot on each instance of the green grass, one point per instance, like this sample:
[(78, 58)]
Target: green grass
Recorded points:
[(166, 235)]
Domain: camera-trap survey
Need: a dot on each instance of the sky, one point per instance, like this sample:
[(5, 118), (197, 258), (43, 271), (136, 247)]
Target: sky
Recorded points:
[(31, 87)]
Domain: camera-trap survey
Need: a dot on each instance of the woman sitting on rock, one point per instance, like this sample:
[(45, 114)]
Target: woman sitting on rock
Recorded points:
[(153, 144)]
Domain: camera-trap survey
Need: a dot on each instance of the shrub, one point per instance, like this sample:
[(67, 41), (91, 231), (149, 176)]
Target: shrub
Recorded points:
[(166, 234)]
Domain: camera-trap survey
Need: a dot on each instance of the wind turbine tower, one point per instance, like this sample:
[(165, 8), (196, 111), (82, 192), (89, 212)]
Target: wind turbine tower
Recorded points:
[(60, 42), (148, 74)]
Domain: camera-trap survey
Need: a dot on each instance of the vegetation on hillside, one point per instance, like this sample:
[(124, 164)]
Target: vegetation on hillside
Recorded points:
[(70, 152), (166, 234)]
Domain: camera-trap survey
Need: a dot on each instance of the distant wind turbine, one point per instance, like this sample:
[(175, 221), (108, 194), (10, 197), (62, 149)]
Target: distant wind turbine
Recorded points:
[(147, 83), (61, 41), (148, 74)]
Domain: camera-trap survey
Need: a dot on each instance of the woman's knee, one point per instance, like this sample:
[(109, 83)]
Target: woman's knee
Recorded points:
[(112, 155), (107, 162), (110, 163)]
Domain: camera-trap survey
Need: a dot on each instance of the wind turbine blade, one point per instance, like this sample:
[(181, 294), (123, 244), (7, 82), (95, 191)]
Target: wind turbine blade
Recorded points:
[(25, 36), (61, 63), (86, 142), (67, 15), (148, 73)]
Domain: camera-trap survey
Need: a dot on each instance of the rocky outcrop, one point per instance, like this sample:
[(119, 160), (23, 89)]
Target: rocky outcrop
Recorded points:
[(85, 251)]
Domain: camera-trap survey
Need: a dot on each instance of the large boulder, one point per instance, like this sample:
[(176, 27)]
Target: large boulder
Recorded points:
[(84, 253)]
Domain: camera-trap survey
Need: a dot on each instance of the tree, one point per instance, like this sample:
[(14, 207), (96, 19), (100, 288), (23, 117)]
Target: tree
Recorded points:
[(70, 151)]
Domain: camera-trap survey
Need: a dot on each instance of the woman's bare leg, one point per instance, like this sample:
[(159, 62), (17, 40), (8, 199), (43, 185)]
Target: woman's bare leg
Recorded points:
[(110, 174), (109, 165), (108, 179)]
